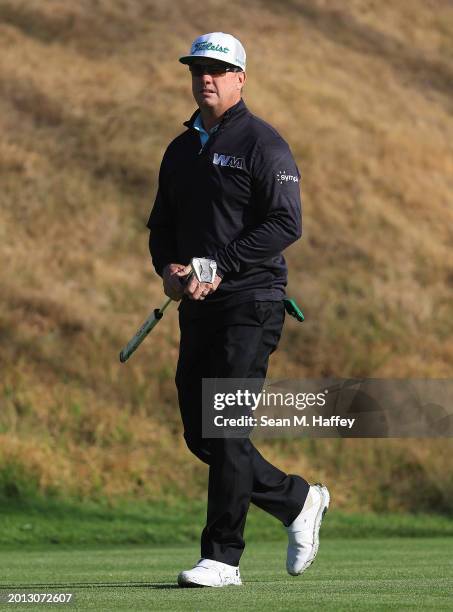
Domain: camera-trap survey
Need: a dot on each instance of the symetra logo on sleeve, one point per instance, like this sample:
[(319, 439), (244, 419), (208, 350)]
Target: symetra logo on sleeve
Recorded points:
[(282, 177)]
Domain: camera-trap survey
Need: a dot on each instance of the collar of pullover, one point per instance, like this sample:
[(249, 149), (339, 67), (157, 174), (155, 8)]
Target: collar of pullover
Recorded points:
[(233, 113)]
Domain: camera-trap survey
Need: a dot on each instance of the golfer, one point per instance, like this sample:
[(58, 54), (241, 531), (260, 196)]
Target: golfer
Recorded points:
[(229, 191)]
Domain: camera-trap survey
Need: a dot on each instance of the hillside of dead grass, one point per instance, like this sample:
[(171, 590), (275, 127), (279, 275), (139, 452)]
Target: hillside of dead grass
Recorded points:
[(91, 94)]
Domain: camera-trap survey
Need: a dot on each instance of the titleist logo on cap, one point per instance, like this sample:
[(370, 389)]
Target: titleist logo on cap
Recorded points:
[(208, 46)]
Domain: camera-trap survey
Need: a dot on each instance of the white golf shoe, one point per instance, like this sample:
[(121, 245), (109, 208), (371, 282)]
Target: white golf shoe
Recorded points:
[(210, 573), (303, 533)]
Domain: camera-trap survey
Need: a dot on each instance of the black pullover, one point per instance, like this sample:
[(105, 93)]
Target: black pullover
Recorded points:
[(235, 200)]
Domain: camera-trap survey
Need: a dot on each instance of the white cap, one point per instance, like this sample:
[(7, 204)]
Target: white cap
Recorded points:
[(218, 46)]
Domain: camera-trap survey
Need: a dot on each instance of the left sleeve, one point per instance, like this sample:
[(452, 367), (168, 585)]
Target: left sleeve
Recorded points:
[(162, 222), (276, 194)]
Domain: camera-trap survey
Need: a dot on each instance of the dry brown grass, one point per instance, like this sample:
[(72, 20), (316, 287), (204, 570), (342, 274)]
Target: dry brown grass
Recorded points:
[(90, 96)]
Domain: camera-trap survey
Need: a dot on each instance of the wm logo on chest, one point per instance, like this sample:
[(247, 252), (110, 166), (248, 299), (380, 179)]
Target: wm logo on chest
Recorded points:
[(229, 160)]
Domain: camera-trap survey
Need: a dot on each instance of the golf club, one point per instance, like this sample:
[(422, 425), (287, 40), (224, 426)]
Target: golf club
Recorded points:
[(144, 330)]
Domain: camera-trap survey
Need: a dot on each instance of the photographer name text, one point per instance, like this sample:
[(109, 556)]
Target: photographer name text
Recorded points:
[(295, 421)]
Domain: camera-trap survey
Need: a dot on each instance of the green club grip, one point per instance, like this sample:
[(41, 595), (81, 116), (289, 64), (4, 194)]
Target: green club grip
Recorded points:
[(293, 309)]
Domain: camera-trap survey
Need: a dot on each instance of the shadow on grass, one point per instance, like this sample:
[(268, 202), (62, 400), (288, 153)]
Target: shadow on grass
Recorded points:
[(90, 585)]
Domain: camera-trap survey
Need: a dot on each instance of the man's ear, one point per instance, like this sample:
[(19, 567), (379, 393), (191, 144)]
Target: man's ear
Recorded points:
[(242, 78)]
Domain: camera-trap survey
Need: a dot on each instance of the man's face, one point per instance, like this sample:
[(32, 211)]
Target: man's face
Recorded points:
[(214, 88)]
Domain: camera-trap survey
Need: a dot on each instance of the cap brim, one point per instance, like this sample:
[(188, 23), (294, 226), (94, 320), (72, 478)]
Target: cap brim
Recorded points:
[(190, 59)]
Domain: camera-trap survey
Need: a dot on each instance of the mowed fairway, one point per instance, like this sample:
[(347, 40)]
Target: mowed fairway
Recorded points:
[(373, 574)]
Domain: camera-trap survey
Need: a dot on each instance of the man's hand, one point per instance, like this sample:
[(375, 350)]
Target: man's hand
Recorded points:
[(173, 276), (196, 290)]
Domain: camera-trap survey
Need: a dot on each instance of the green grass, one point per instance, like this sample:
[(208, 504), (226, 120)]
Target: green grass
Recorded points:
[(371, 574), (39, 521)]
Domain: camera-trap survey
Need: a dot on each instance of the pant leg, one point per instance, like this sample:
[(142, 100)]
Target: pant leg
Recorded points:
[(234, 348), (277, 493), (193, 365)]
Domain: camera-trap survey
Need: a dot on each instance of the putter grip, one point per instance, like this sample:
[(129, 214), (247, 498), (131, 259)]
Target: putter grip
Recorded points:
[(144, 330)]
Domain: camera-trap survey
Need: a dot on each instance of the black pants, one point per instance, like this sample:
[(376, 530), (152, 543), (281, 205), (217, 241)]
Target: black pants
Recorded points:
[(232, 343)]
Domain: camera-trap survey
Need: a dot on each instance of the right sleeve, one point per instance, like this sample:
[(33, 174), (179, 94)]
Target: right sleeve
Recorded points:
[(162, 225)]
